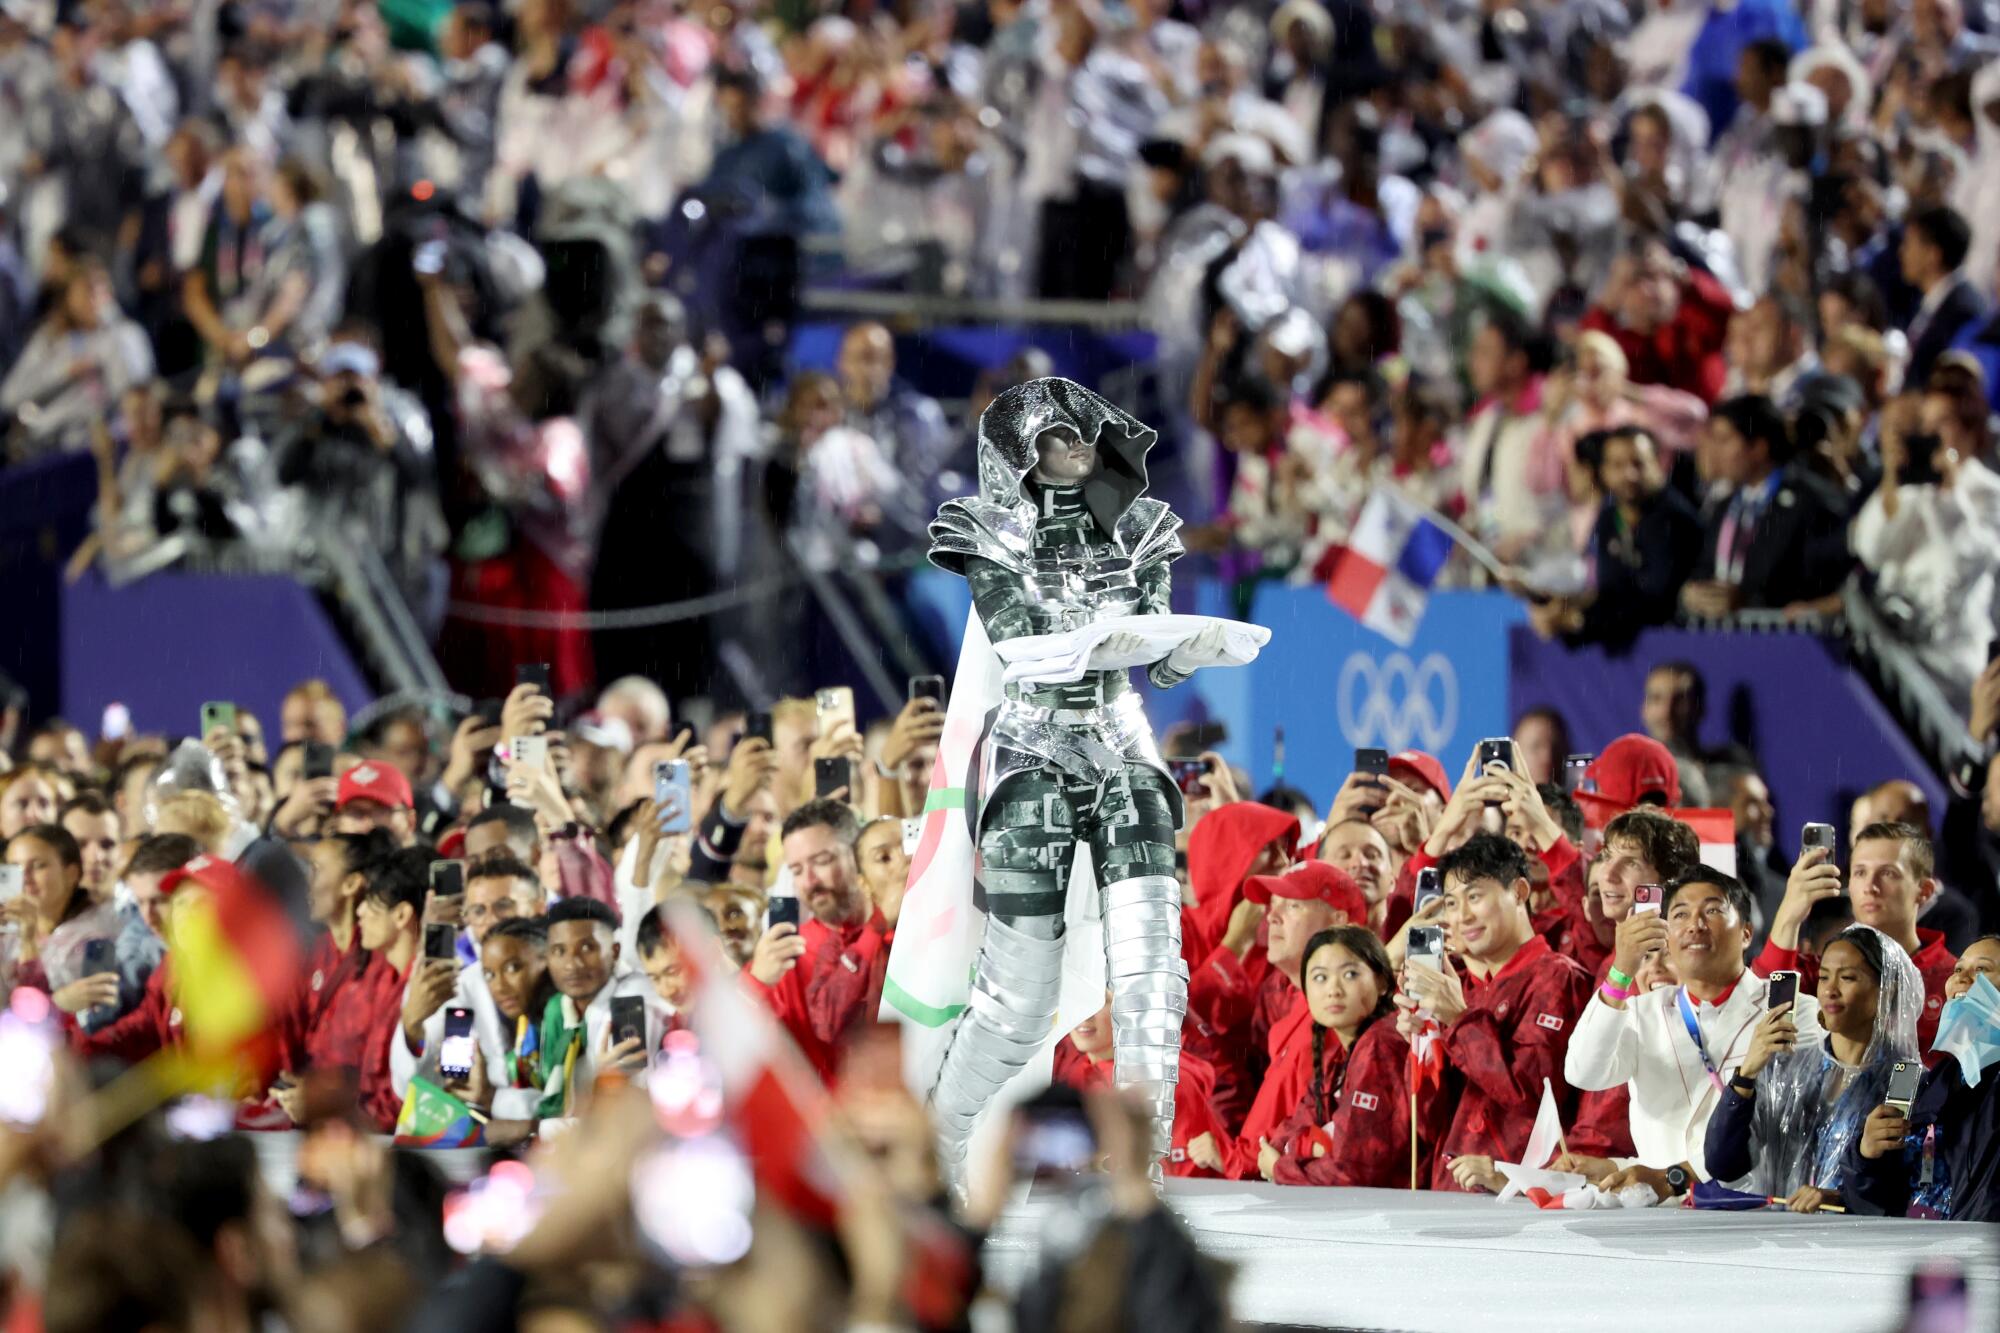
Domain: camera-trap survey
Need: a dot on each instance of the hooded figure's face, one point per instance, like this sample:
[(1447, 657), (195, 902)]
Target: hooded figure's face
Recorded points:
[(1062, 458)]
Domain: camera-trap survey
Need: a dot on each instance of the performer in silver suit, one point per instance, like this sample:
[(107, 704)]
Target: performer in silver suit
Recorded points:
[(1061, 537)]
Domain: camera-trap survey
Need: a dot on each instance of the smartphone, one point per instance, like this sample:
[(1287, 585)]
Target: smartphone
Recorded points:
[(27, 1069), (1574, 780), (1496, 750), (441, 941), (318, 761), (10, 883), (628, 1019), (458, 1049), (99, 956), (1187, 774), (927, 687), (116, 724), (427, 259), (833, 775), (1783, 988), (1992, 656), (1816, 835), (1430, 887), (1648, 897), (673, 791), (215, 715), (1904, 1076), (758, 728), (531, 751), (533, 673), (784, 910), (1373, 763), (1427, 947), (913, 835), (1054, 1139), (447, 878), (834, 706)]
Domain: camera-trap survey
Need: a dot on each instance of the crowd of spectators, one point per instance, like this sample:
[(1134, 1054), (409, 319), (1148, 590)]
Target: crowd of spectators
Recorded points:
[(1680, 315), (1379, 995)]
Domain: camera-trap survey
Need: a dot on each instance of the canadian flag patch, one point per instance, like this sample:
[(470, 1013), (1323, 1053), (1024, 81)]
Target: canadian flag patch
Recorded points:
[(1549, 1021), (1179, 1155), (1364, 1101)]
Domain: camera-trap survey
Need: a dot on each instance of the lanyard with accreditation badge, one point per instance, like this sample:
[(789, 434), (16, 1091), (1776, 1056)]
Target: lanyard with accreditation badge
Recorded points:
[(1686, 1007)]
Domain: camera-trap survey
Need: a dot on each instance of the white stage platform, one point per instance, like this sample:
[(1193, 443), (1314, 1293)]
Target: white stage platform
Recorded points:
[(1446, 1263)]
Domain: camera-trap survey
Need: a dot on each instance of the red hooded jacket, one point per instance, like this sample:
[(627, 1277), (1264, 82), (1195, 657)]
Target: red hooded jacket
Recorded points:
[(1227, 1018), (1285, 1081)]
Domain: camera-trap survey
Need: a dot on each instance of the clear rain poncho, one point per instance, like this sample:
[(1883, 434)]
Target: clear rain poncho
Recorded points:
[(1810, 1106)]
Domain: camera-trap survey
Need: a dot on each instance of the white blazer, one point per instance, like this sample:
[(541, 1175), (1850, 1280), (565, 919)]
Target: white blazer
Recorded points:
[(1646, 1045)]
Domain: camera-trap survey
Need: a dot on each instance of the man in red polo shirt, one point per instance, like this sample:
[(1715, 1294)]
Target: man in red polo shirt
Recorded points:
[(1889, 884), (1300, 903), (1505, 1025)]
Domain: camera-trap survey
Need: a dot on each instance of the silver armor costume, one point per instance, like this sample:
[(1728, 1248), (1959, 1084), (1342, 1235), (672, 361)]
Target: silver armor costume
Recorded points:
[(1069, 763)]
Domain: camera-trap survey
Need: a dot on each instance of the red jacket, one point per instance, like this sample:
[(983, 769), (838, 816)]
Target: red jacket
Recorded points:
[(1934, 964), (1367, 1140), (153, 1025), (1221, 848), (1285, 1081), (835, 987), (376, 1008), (1232, 1007), (1603, 1124), (1193, 1115), (313, 1033), (1686, 351), (1513, 1035)]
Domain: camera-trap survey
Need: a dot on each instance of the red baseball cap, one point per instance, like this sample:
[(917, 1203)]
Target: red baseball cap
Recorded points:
[(383, 784), (211, 872), (1630, 767), (1415, 765), (1309, 880)]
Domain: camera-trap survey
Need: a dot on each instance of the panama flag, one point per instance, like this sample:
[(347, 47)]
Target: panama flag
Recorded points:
[(1384, 574)]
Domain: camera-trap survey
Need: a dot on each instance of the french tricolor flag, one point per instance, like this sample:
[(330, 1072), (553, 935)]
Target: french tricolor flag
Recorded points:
[(1383, 576)]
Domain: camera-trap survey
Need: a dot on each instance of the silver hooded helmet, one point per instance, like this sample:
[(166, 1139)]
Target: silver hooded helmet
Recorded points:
[(1010, 425)]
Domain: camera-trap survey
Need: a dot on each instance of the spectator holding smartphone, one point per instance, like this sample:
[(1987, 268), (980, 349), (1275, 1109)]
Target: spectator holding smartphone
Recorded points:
[(1934, 1157), (575, 1033), (1676, 1048), (1791, 1111), (1505, 1024), (1890, 881)]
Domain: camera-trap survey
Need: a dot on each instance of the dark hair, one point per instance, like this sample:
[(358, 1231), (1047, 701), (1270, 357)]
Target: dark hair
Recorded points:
[(741, 79), (653, 929), (1256, 393), (205, 1185), (84, 803), (1697, 683), (360, 853), (501, 865), (1943, 227), (115, 1268), (1732, 889), (836, 815), (1485, 856), (1673, 848), (1364, 944), (56, 838), (518, 821), (1755, 417), (533, 929), (584, 909), (1565, 809), (1916, 843), (1771, 54), (161, 852), (1867, 942), (400, 879), (1829, 916), (1515, 331)]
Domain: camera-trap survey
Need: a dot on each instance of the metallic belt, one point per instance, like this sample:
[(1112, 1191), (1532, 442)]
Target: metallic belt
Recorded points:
[(1118, 711)]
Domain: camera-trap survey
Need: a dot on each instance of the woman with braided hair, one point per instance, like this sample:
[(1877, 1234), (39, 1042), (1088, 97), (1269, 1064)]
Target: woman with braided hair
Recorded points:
[(1352, 1126)]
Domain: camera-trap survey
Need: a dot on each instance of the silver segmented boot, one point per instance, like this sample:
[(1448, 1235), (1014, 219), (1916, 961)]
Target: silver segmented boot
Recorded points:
[(1009, 1016), (1149, 983)]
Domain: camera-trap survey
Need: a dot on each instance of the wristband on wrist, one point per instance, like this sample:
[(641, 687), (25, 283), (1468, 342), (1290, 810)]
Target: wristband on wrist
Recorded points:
[(1611, 992), (1618, 978)]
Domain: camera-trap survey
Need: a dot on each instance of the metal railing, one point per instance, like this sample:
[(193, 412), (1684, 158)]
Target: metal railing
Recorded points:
[(1906, 686)]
